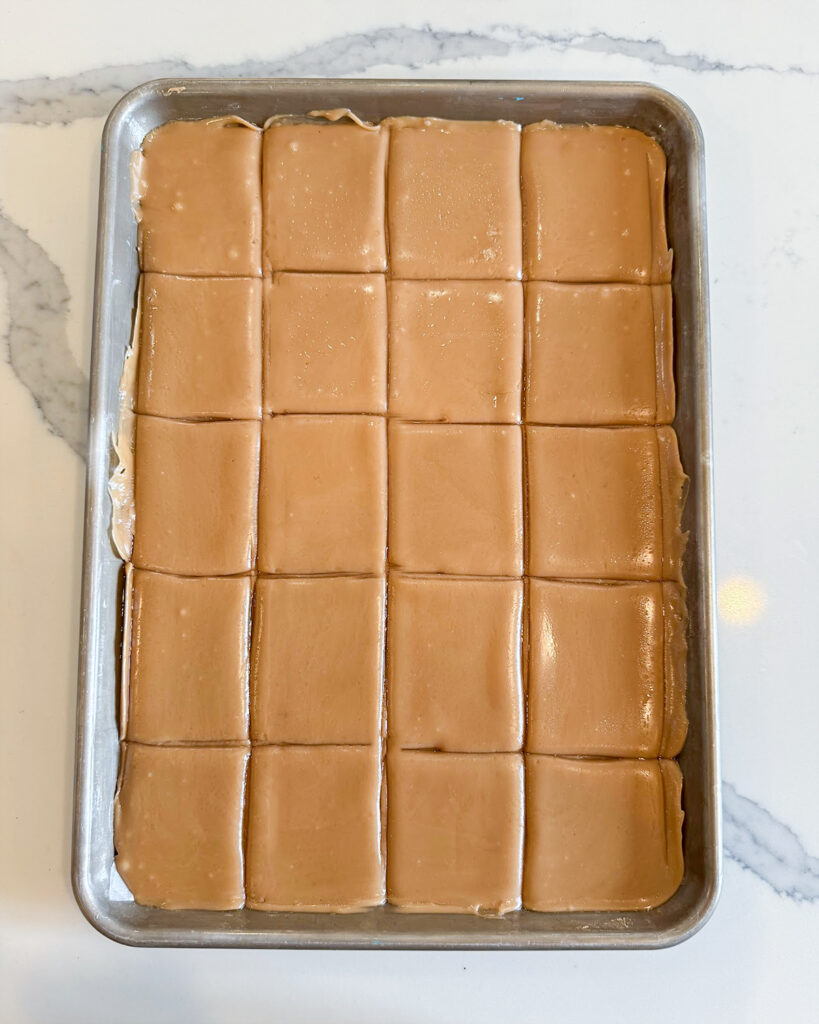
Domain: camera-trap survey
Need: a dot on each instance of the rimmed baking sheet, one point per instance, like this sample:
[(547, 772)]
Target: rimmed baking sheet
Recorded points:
[(104, 900)]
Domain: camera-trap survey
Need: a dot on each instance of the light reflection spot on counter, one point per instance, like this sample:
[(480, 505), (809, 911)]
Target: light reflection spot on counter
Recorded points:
[(741, 600)]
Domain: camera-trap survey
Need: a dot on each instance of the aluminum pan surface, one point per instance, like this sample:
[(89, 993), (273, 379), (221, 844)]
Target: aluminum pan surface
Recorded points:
[(639, 106)]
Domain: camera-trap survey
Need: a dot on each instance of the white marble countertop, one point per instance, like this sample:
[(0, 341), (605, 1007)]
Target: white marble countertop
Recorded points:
[(751, 73)]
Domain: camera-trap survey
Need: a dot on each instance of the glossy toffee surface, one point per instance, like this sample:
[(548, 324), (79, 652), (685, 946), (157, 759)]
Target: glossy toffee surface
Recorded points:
[(405, 616)]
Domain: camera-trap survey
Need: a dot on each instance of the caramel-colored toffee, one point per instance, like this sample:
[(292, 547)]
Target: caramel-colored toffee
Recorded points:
[(598, 354), (456, 499), (454, 198), (601, 834), (593, 202), (200, 347), (323, 495), (455, 680), (178, 818), (604, 503), (325, 345), (469, 332), (444, 413), (455, 831), (189, 659), (599, 679), (195, 490), (314, 833), (318, 660), (199, 206), (324, 197)]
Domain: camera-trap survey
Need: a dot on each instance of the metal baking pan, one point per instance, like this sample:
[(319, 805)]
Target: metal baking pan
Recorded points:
[(106, 905)]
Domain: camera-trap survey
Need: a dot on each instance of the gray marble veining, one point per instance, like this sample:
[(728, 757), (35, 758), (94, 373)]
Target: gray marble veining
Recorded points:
[(92, 93), (767, 847), (37, 342), (38, 299)]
